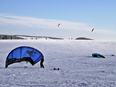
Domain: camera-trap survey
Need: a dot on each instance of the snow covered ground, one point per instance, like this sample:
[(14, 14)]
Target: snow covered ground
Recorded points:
[(73, 58)]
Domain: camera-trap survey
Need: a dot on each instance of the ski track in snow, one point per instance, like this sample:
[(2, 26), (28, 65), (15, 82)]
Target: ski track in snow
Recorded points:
[(73, 58)]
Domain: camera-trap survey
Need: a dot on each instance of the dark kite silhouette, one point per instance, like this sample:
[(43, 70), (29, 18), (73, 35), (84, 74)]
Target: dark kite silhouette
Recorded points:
[(92, 30), (59, 25)]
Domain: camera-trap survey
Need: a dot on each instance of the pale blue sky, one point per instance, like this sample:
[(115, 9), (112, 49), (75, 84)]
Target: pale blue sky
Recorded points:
[(100, 14)]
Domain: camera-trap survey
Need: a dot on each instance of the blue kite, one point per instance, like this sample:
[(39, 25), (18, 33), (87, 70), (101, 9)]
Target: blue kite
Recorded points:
[(25, 53)]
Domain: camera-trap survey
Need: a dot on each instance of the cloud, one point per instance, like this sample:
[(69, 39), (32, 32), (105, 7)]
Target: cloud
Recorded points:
[(39, 22)]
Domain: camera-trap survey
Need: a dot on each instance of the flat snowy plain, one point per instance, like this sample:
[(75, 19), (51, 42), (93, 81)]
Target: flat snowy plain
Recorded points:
[(77, 67)]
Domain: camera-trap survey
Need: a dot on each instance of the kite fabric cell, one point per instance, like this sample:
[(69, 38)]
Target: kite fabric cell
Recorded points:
[(25, 53)]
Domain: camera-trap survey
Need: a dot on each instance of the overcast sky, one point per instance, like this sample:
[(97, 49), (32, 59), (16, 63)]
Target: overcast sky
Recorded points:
[(76, 18)]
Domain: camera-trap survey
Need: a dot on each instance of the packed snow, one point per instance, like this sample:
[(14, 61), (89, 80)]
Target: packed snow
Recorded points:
[(77, 67)]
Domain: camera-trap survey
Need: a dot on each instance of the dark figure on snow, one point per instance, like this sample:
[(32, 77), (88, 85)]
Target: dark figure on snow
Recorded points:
[(41, 63)]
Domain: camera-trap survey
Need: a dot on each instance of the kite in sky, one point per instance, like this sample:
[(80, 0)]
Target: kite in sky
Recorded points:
[(59, 25), (92, 30)]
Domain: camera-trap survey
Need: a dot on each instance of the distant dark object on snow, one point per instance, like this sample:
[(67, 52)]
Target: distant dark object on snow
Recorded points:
[(56, 68), (97, 55), (112, 55), (83, 38)]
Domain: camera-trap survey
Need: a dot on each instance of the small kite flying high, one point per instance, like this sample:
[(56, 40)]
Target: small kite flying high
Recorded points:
[(92, 30), (59, 25)]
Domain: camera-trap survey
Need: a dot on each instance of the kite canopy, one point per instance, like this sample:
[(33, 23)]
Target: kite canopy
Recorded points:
[(24, 53)]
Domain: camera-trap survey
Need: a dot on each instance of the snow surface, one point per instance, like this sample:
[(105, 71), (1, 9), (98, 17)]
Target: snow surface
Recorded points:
[(77, 67)]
